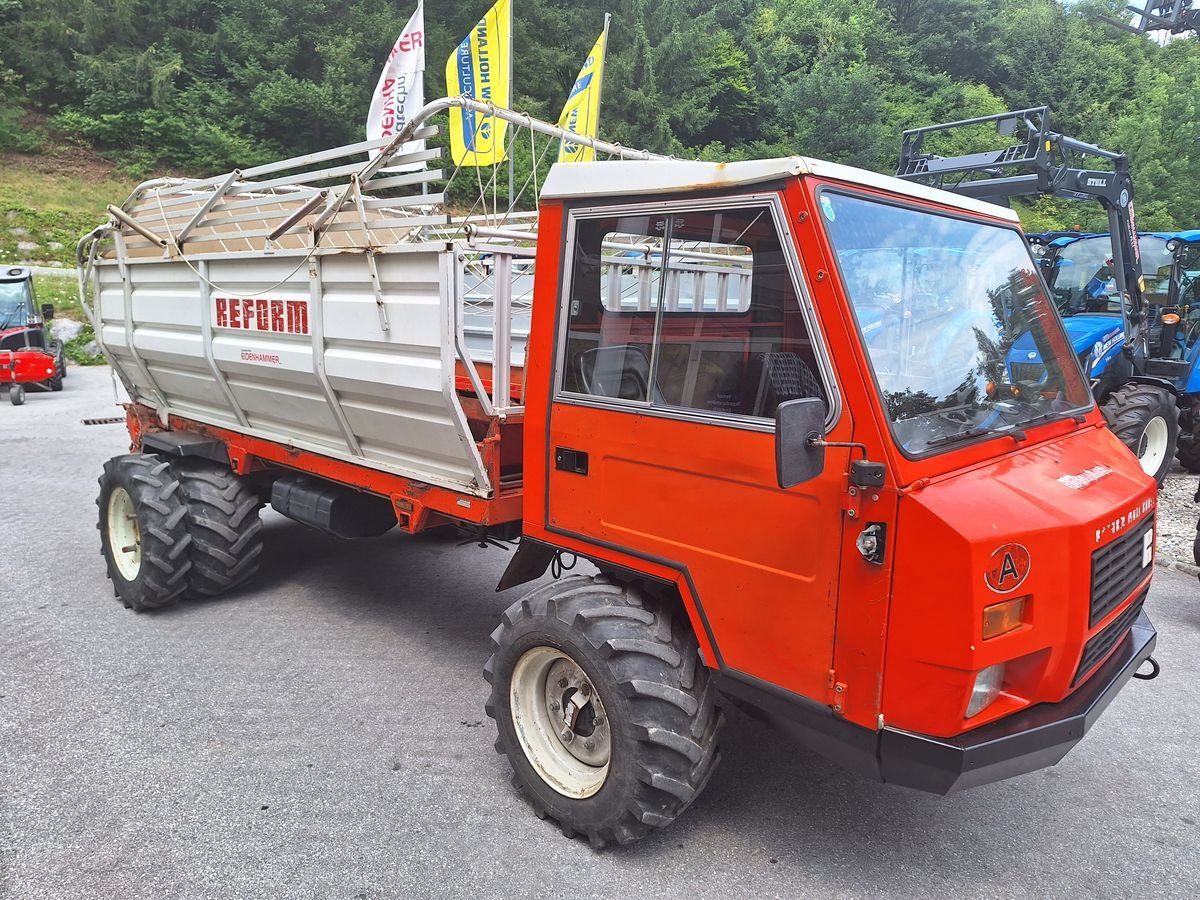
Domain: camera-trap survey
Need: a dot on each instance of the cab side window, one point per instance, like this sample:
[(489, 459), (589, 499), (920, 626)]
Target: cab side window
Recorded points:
[(692, 310)]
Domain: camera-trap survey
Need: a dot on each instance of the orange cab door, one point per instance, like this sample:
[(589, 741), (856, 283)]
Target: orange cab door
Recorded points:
[(681, 328)]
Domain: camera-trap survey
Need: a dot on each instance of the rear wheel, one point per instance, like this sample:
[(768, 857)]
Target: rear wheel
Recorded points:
[(1188, 454), (55, 382), (603, 708), (222, 518), (60, 358), (1146, 420), (143, 532), (16, 394)]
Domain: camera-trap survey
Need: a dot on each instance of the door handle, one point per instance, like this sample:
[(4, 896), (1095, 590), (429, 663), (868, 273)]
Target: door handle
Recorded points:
[(567, 460)]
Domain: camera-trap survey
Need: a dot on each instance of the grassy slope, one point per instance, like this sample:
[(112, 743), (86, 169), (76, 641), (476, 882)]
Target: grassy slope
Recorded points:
[(52, 201)]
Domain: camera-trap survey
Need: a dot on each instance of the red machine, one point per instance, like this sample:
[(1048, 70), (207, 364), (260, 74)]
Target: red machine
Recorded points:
[(27, 356), (770, 401)]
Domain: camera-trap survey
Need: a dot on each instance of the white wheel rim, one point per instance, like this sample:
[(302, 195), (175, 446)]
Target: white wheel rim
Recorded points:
[(1152, 448), (560, 722), (124, 534)]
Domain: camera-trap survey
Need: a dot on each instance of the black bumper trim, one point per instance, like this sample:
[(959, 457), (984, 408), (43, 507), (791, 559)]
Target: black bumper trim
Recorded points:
[(1023, 742)]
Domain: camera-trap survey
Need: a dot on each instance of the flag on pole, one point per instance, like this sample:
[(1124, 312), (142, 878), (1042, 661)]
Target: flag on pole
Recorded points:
[(581, 114), (401, 89), (480, 68)]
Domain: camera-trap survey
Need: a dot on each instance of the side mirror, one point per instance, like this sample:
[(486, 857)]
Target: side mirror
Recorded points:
[(797, 422), (47, 311)]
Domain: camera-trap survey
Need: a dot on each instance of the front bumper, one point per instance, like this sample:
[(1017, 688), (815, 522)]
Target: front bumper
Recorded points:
[(1023, 742)]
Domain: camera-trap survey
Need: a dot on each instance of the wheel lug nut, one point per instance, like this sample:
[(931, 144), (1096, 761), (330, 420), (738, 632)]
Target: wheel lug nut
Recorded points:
[(585, 689), (589, 745), (599, 720), (567, 735), (554, 707), (562, 682)]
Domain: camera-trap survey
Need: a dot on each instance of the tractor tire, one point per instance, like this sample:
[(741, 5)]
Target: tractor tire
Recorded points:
[(60, 358), (16, 394), (222, 518), (54, 382), (1188, 454), (1146, 419), (603, 707), (143, 531)]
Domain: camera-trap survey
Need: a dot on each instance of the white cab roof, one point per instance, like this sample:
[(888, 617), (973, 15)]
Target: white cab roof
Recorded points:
[(631, 177)]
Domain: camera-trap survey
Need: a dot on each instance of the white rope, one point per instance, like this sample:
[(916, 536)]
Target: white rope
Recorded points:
[(220, 287)]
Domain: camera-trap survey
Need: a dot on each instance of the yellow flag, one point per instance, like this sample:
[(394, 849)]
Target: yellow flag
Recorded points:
[(479, 68), (581, 114)]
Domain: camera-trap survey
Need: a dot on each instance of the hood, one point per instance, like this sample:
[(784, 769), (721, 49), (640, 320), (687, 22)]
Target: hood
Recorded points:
[(1095, 338)]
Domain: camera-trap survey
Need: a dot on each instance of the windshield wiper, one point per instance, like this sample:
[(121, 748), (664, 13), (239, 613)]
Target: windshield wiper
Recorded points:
[(1052, 416), (961, 436)]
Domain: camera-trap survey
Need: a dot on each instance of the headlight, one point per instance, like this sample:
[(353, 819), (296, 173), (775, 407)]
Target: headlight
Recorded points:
[(986, 689)]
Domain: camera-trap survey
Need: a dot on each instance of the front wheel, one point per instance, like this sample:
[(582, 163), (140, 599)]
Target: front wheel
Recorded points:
[(16, 394), (603, 707), (1146, 420)]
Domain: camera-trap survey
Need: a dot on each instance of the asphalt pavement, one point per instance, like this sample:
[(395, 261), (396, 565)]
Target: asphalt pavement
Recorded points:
[(322, 734)]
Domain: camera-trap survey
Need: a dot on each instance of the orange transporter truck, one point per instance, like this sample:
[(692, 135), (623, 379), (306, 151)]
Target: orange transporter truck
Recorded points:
[(770, 401)]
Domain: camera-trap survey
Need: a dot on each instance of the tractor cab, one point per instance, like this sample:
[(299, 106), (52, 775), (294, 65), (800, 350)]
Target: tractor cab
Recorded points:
[(28, 357)]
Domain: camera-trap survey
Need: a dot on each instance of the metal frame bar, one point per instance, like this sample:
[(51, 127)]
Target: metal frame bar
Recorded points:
[(317, 312), (207, 206), (206, 338)]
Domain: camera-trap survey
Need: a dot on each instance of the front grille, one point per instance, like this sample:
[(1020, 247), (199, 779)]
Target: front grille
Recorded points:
[(1028, 372), (1116, 570), (1097, 648)]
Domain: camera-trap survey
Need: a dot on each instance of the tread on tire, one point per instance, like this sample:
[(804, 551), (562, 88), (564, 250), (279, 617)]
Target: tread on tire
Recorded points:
[(223, 521), (659, 697), (164, 540), (1130, 408)]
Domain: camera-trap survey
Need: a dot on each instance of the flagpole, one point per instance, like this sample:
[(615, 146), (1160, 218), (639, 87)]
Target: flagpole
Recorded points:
[(603, 75), (512, 201)]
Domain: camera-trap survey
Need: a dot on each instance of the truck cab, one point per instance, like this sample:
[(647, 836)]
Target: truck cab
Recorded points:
[(965, 555)]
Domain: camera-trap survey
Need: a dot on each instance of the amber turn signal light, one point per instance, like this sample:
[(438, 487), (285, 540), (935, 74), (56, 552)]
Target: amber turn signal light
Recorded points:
[(1001, 618), (1170, 318)]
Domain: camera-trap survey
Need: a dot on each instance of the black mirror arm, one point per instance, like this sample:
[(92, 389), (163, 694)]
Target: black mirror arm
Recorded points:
[(862, 474), (815, 441)]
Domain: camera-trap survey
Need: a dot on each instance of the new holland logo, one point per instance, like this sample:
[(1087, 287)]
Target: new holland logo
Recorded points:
[(1007, 569)]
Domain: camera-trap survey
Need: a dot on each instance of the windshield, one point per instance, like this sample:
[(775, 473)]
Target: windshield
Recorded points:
[(14, 303), (940, 302), (1189, 276), (1156, 267), (1081, 277)]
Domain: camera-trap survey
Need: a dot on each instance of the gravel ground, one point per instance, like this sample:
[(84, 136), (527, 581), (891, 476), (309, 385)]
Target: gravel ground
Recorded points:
[(321, 735), (1177, 516)]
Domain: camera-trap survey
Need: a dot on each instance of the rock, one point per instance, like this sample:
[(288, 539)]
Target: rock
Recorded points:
[(26, 246), (54, 263), (65, 329), (54, 245), (91, 348), (19, 232)]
